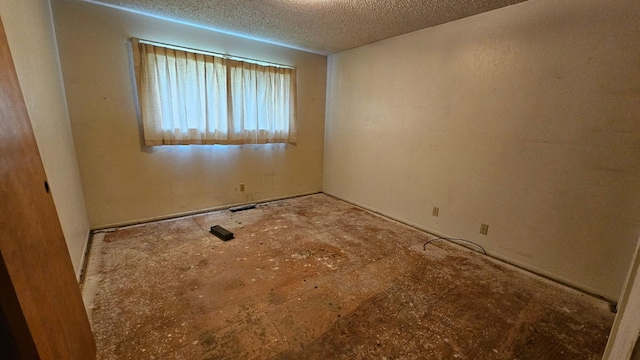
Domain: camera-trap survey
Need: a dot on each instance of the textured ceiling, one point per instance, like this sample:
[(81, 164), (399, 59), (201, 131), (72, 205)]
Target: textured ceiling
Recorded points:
[(320, 26)]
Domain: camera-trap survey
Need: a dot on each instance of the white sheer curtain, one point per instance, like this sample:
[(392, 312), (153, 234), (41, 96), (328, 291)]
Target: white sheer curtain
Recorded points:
[(194, 98)]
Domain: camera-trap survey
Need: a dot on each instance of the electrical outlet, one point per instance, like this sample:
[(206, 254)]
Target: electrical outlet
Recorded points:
[(241, 186), (484, 229), (436, 211)]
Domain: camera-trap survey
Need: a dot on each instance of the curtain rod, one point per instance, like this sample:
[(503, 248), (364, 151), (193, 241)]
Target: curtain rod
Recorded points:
[(211, 53)]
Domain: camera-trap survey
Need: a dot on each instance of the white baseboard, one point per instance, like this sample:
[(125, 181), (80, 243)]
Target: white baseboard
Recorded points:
[(198, 211), (498, 257), (85, 256)]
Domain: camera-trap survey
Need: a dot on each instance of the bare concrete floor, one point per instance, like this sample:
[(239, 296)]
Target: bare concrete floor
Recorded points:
[(317, 278)]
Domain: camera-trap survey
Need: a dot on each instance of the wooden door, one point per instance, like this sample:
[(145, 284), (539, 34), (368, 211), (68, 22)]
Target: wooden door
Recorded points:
[(41, 311)]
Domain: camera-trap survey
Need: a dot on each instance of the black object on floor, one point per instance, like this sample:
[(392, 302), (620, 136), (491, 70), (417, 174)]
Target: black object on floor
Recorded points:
[(221, 232), (242, 207)]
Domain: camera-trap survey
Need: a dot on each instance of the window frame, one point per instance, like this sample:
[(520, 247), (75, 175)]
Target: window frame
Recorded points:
[(286, 117)]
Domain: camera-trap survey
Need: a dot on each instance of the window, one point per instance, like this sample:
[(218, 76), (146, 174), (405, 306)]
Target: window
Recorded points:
[(194, 97)]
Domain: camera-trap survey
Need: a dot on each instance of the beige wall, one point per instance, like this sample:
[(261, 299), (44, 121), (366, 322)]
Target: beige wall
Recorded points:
[(126, 182), (526, 118), (29, 28)]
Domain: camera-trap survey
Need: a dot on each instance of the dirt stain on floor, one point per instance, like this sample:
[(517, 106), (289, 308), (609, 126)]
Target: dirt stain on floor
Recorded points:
[(317, 278)]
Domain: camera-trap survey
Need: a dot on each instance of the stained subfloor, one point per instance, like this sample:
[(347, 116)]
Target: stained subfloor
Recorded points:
[(317, 278)]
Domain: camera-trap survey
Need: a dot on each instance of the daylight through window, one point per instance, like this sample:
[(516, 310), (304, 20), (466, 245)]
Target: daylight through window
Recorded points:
[(192, 97)]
